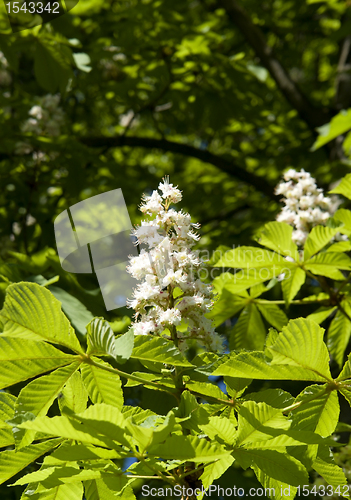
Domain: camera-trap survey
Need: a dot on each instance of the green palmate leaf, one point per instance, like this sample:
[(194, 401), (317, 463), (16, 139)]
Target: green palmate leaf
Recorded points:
[(225, 307), (120, 325), (249, 258), (142, 437), (101, 339), (69, 429), (206, 389), (340, 246), (221, 428), (7, 408), (258, 290), (74, 396), (298, 353), (6, 437), (80, 452), (34, 264), (292, 283), (188, 448), (124, 346), (205, 358), (138, 414), (319, 297), (236, 386), (242, 280), (105, 419), (344, 187), (326, 467), (258, 421), (321, 314), (249, 332), (197, 417), (100, 425), (12, 461), (290, 438), (32, 312), (229, 413), (102, 386), (22, 359), (72, 491), (51, 477), (301, 344), (280, 466), (271, 337), (143, 467), (328, 264), (339, 333), (346, 370), (343, 216), (318, 412), (145, 376), (128, 493), (317, 239), (147, 466), (277, 398), (187, 405), (97, 490), (276, 490), (346, 392), (257, 365), (338, 125), (278, 237), (158, 350), (108, 488), (146, 435), (214, 471), (37, 397), (77, 313), (273, 314)]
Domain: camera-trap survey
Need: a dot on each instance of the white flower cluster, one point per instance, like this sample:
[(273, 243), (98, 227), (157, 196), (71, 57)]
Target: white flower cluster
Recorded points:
[(305, 204), (46, 118), (5, 75), (170, 293)]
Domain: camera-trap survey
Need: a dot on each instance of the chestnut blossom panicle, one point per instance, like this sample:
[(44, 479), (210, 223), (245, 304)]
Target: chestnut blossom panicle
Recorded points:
[(305, 204), (170, 299)]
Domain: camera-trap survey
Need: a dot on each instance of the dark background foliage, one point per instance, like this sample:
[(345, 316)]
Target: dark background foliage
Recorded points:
[(221, 95)]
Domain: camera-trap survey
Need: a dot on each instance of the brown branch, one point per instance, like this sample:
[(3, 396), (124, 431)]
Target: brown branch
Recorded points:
[(228, 166), (313, 116), (343, 78)]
